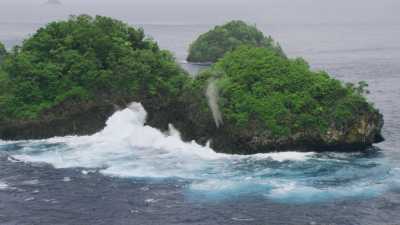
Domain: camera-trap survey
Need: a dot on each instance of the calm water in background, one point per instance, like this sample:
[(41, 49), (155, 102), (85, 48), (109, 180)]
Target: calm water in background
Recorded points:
[(131, 174)]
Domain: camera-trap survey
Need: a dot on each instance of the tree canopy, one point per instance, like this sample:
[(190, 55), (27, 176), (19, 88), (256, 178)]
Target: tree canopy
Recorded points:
[(84, 58), (264, 97), (3, 52), (211, 46), (260, 89)]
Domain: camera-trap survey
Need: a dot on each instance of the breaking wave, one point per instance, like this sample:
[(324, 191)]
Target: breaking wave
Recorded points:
[(130, 149)]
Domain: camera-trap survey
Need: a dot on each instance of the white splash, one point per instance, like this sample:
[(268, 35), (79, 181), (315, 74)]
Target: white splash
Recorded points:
[(129, 148), (212, 94), (3, 185)]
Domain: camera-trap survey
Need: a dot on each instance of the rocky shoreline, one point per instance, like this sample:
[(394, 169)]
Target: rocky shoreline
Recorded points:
[(91, 118)]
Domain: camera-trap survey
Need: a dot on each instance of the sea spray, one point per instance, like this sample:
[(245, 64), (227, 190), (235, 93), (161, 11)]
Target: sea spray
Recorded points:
[(129, 148), (173, 132), (212, 94)]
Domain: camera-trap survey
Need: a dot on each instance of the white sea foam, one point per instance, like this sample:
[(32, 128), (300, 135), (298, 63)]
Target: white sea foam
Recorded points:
[(213, 99), (3, 185), (129, 148), (31, 182)]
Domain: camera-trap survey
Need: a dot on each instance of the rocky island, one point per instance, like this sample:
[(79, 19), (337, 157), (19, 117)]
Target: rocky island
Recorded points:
[(53, 2), (263, 102), (212, 45), (70, 76)]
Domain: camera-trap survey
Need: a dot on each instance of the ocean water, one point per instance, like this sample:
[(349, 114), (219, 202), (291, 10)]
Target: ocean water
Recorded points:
[(130, 173), (127, 148)]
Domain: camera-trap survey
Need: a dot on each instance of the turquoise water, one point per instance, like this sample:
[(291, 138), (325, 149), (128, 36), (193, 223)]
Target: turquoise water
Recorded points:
[(127, 148)]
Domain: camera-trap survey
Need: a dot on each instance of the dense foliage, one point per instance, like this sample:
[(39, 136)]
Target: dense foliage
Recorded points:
[(282, 96), (68, 70), (3, 52), (211, 46), (84, 59)]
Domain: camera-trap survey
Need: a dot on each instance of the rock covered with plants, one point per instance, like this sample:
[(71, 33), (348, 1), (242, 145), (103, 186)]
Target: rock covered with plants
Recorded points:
[(70, 76), (258, 101), (212, 45)]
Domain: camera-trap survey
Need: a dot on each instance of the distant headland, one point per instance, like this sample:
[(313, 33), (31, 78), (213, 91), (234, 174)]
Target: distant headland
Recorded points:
[(53, 2)]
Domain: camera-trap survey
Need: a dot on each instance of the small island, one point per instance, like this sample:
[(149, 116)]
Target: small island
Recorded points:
[(212, 45), (53, 2), (70, 76), (253, 100)]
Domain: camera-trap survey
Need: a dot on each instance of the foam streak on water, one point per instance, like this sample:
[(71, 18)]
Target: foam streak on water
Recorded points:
[(128, 148)]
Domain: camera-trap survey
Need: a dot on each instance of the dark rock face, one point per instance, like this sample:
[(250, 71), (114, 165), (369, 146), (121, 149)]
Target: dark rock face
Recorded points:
[(196, 123), (228, 139), (82, 119)]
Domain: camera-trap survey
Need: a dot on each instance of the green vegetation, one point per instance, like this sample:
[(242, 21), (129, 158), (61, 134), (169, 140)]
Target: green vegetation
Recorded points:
[(268, 101), (263, 91), (3, 52), (85, 59), (211, 46)]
